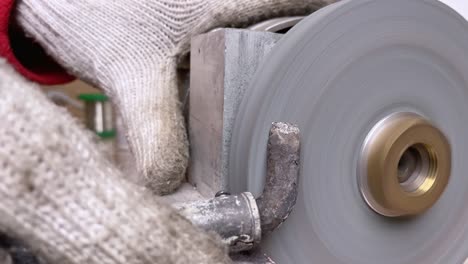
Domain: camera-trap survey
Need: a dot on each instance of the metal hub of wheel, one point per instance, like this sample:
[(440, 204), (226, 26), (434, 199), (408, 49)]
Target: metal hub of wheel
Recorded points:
[(380, 93), (404, 165)]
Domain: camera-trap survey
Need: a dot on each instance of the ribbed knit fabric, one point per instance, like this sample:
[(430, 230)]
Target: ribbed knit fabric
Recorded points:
[(15, 46), (130, 48), (68, 202)]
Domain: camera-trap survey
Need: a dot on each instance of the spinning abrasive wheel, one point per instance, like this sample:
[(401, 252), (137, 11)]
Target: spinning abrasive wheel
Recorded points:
[(379, 90)]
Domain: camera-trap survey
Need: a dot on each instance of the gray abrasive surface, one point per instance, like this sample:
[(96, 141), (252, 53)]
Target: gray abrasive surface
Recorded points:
[(335, 75)]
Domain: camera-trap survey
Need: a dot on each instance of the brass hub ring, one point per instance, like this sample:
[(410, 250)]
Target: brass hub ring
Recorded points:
[(404, 166)]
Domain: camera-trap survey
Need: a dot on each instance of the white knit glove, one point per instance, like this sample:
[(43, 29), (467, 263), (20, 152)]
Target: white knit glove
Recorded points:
[(130, 48), (69, 204)]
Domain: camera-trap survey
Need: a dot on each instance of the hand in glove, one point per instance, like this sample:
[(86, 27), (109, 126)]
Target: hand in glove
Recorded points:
[(69, 204), (130, 48)]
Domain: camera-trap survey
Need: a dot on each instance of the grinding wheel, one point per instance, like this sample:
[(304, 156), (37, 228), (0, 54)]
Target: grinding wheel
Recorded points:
[(339, 74)]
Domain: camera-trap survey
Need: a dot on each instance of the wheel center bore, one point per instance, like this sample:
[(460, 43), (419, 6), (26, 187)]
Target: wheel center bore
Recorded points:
[(404, 166), (409, 164)]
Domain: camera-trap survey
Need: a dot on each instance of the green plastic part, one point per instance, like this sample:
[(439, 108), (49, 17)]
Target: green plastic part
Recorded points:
[(93, 97), (106, 134)]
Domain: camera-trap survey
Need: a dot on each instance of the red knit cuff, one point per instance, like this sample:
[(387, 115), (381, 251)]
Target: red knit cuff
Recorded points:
[(25, 55)]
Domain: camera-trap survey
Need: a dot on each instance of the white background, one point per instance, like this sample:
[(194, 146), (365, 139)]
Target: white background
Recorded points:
[(461, 6)]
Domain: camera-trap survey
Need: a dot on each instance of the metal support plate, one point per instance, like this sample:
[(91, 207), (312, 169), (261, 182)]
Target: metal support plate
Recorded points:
[(223, 62)]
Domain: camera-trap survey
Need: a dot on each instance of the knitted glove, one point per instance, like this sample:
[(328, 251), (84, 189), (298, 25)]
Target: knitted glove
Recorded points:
[(130, 48), (69, 204)]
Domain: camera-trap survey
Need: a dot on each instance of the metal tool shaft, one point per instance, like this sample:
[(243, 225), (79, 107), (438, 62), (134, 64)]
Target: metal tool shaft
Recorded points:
[(280, 191), (241, 220), (234, 217)]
